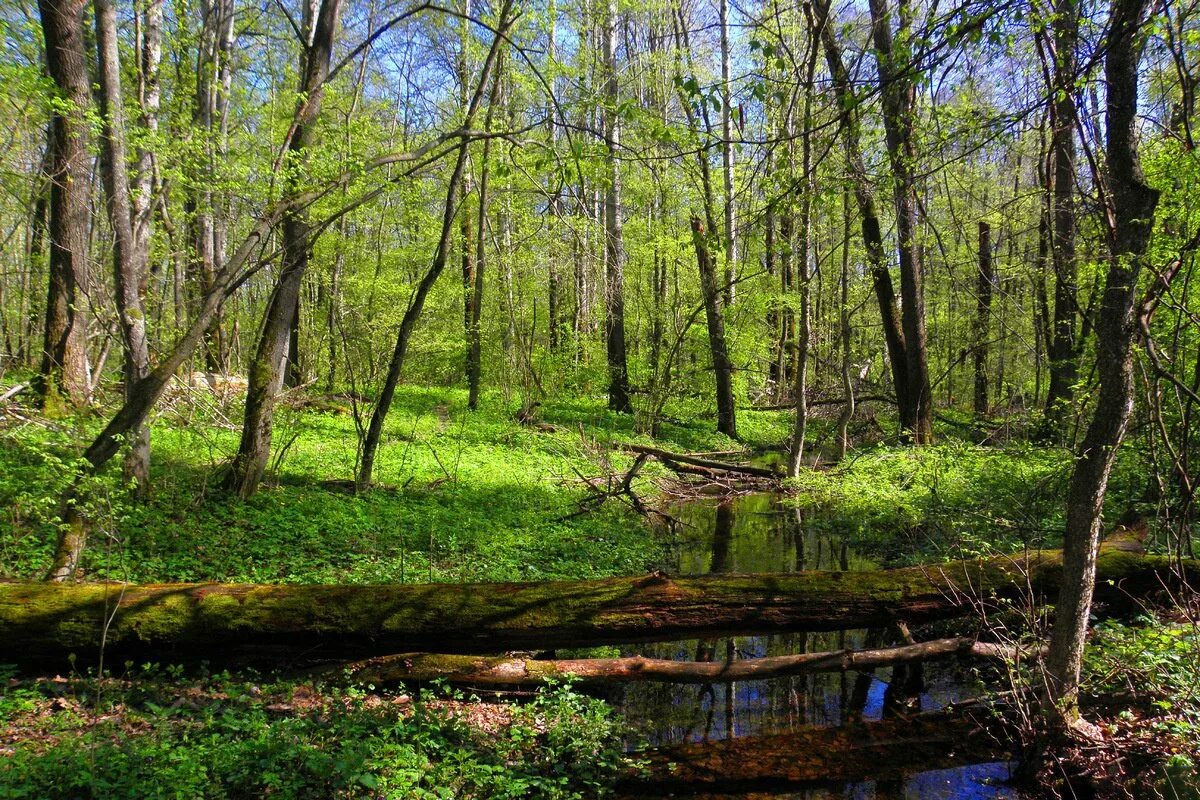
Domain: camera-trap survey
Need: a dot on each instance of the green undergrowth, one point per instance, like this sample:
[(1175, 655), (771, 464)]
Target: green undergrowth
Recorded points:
[(953, 498), (461, 496), (167, 735), (1144, 679)]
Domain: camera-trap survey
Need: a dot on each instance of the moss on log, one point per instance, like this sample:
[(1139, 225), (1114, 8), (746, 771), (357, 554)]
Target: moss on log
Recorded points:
[(215, 621)]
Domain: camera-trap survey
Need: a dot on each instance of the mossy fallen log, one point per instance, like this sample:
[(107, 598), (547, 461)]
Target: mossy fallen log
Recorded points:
[(493, 672), (218, 621), (811, 757)]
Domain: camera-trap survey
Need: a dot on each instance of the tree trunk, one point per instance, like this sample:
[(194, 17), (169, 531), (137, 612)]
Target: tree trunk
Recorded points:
[(63, 373), (44, 621), (149, 100), (130, 258), (206, 247), (983, 311), (554, 275), (727, 159), (846, 332), (614, 240), (722, 368), (1062, 344), (864, 195), (804, 258), (1133, 206), (475, 334), (898, 91), (370, 442), (268, 370)]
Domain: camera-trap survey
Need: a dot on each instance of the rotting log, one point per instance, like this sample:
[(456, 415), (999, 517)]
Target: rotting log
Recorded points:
[(669, 458), (809, 757), (503, 671), (219, 621)]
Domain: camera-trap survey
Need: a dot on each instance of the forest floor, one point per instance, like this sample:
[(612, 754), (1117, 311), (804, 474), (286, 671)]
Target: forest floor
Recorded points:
[(474, 497)]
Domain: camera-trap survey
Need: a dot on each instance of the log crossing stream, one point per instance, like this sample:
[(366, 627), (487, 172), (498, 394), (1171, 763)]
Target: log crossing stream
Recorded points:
[(745, 739)]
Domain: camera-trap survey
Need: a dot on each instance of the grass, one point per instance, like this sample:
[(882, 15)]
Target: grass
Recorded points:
[(464, 496), (952, 499)]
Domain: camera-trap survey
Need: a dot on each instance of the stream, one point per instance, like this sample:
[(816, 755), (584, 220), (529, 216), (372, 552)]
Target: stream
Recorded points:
[(756, 533)]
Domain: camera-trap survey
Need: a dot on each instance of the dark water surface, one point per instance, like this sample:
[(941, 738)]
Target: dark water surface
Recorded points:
[(755, 533)]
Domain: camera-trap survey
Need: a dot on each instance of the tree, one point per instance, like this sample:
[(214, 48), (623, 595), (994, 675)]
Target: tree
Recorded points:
[(1063, 348), (129, 251), (267, 372), (1133, 203), (374, 432), (864, 195), (63, 374), (897, 87), (614, 237), (983, 311)]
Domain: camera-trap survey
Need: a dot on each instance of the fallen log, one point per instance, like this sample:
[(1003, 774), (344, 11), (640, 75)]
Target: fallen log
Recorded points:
[(887, 750), (216, 621), (491, 672), (669, 458), (826, 401)]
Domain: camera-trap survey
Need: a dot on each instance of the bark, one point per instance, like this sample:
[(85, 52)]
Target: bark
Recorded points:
[(370, 443), (130, 258), (1133, 206), (727, 159), (846, 332), (554, 276), (39, 219), (864, 195), (505, 671), (475, 334), (983, 311), (150, 101), (213, 621), (269, 368), (207, 251), (614, 239), (804, 259), (722, 367), (898, 93), (468, 242), (63, 372), (1062, 345)]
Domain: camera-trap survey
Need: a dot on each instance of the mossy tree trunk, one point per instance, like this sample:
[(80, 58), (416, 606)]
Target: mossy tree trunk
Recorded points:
[(47, 621), (63, 375)]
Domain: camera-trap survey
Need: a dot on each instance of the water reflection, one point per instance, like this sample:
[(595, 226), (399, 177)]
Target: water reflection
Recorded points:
[(973, 782), (756, 534)]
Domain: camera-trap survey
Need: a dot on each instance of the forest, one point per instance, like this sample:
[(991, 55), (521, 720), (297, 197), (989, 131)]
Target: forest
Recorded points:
[(590, 398)]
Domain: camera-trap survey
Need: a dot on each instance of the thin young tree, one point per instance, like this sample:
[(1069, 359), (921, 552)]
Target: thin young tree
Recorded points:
[(1063, 348), (614, 236), (370, 442)]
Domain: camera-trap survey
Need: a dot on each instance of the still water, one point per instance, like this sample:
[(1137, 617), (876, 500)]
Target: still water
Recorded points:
[(755, 533)]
